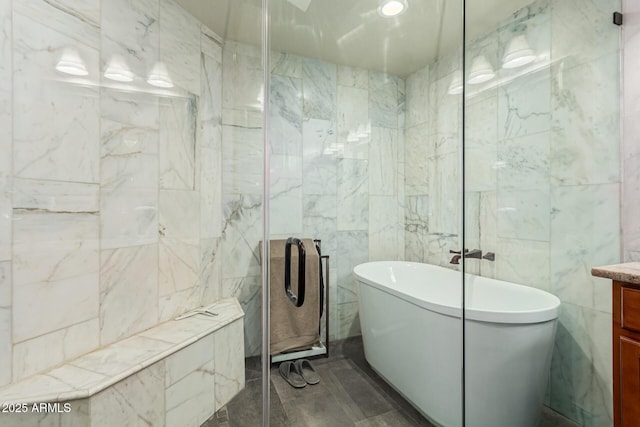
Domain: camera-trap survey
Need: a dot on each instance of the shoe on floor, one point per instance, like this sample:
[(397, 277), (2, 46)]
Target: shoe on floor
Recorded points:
[(303, 366), (291, 374)]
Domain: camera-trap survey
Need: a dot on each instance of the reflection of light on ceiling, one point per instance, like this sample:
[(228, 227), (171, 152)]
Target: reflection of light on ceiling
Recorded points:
[(507, 209), (389, 8)]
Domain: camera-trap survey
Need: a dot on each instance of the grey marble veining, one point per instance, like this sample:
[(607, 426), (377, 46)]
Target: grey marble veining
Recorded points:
[(319, 79)]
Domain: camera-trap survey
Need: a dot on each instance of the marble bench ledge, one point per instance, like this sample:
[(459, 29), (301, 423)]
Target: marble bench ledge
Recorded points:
[(628, 272), (93, 372)]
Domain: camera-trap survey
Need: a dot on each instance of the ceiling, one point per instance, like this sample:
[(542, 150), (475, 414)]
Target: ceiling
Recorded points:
[(351, 32)]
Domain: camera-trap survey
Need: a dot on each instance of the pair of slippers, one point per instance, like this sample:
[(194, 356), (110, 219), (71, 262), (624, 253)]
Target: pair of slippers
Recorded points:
[(298, 373)]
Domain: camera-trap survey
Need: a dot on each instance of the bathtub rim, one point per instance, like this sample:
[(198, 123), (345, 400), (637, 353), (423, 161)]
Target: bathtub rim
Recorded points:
[(538, 315)]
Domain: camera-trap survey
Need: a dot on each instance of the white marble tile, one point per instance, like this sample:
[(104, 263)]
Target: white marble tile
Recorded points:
[(211, 269), (525, 262), (416, 173), (582, 30), (210, 101), (383, 100), (286, 64), (179, 213), (353, 249), (242, 86), (582, 241), (383, 228), (130, 29), (383, 161), (178, 143), (128, 291), (353, 122), (128, 218), (319, 151), (56, 125), (586, 123), (57, 268), (524, 214), (436, 248), (6, 123), (229, 359), (481, 169), (248, 290), (46, 351), (319, 81), (211, 43), (417, 104), (581, 368), (188, 360), (444, 194), (139, 110), (285, 208), (353, 77), (38, 388), (446, 118), (77, 378), (242, 231), (523, 163), (5, 323), (524, 105), (348, 321), (55, 196), (481, 120), (178, 265), (242, 160), (488, 230), (137, 400), (319, 221), (285, 116), (190, 401), (180, 45), (353, 194), (631, 205)]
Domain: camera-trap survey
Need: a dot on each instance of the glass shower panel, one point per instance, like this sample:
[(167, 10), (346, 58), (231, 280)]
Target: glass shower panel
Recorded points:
[(364, 144), (542, 178)]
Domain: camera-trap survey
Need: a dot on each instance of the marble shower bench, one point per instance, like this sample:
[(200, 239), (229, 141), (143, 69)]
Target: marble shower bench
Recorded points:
[(175, 374)]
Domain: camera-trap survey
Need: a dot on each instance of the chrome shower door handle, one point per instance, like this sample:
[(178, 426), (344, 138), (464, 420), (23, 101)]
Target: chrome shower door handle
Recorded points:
[(296, 300)]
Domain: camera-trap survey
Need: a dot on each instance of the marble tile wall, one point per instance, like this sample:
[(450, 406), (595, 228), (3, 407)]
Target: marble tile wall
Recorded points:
[(542, 179), (110, 193)]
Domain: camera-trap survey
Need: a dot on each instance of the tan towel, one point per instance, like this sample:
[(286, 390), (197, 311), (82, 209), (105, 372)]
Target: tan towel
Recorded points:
[(294, 327)]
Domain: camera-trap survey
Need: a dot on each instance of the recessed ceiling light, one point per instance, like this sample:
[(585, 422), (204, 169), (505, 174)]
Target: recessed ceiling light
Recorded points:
[(481, 71), (389, 8), (118, 70), (159, 76), (518, 53)]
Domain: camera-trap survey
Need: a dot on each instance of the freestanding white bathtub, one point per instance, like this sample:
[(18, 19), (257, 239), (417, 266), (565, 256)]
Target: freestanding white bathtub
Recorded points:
[(411, 324)]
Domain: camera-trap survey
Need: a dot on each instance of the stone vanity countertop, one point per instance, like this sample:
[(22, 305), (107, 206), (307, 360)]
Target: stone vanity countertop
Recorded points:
[(628, 272)]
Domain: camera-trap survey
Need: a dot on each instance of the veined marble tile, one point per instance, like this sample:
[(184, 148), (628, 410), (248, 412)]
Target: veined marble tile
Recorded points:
[(243, 84), (46, 351), (176, 303), (286, 210), (56, 125), (383, 161), (416, 166), (79, 20), (58, 267), (523, 163), (6, 123), (417, 106), (248, 290), (55, 196), (524, 214), (488, 230), (481, 123), (178, 143), (354, 126), (242, 160), (211, 269), (353, 77), (586, 123), (179, 214), (444, 193), (472, 224), (582, 30), (190, 401), (286, 64), (130, 29), (319, 221), (242, 231), (5, 323), (481, 169), (128, 291), (319, 80), (139, 399), (451, 61), (446, 120), (416, 216), (348, 322), (180, 45), (211, 43), (128, 218), (210, 100), (285, 116), (581, 369), (585, 231), (353, 194), (353, 249), (319, 151), (285, 173), (188, 360), (179, 265), (525, 262), (383, 228), (524, 105), (631, 205), (437, 246), (383, 100), (136, 109), (229, 359)]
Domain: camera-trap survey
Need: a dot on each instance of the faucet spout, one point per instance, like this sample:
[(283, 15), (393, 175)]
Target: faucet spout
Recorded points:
[(455, 260)]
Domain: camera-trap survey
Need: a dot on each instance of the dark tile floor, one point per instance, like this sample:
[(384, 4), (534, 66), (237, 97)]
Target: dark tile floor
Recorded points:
[(350, 393)]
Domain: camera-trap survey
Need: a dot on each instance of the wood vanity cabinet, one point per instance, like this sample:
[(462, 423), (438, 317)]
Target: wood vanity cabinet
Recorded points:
[(626, 354)]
